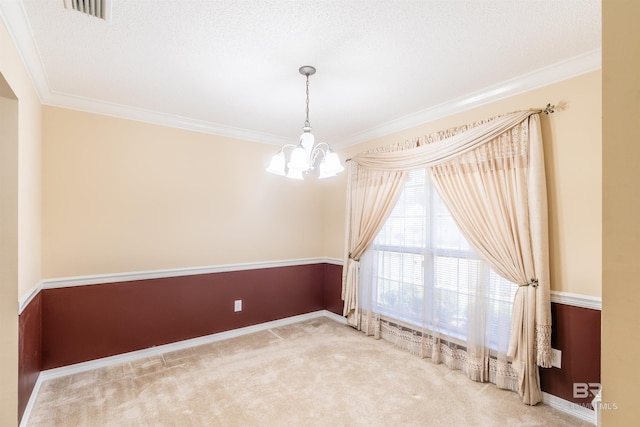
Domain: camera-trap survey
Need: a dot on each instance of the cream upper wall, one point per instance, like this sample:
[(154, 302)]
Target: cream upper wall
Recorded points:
[(24, 205), (122, 196), (29, 160), (8, 253), (573, 156)]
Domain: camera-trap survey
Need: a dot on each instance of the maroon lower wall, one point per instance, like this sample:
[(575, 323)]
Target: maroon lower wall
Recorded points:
[(29, 351), (332, 297), (83, 323), (63, 326), (576, 332)]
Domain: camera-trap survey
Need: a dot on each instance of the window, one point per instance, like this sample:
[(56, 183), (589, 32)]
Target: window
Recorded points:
[(423, 272)]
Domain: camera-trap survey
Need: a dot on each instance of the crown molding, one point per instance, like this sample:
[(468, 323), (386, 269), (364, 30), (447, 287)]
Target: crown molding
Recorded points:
[(564, 70), (14, 17), (572, 67), (72, 102)]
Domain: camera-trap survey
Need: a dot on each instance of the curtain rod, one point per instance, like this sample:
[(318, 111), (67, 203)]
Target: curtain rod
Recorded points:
[(549, 109)]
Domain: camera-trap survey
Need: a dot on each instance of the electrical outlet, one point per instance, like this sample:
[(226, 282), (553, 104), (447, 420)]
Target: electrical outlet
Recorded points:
[(556, 358), (237, 305)]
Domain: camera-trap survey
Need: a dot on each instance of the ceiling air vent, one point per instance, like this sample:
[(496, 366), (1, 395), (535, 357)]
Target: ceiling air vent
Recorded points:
[(98, 8)]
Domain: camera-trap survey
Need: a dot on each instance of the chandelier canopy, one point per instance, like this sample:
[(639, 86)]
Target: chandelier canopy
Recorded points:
[(303, 157)]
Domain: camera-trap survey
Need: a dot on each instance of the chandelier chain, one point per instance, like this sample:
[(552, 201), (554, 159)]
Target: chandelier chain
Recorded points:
[(306, 122)]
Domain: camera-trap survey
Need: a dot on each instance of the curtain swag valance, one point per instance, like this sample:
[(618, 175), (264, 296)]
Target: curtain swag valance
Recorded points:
[(440, 152), (491, 177)]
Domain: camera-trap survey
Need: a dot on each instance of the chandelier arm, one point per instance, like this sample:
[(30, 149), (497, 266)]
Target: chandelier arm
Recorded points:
[(317, 150), (293, 146), (323, 144)]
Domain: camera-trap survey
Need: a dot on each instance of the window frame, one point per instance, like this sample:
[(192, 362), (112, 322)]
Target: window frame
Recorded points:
[(429, 254)]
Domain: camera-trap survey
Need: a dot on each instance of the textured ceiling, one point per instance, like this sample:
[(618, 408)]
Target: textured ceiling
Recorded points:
[(231, 66)]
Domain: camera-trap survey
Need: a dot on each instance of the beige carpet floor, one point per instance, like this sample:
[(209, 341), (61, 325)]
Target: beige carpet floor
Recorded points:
[(313, 373)]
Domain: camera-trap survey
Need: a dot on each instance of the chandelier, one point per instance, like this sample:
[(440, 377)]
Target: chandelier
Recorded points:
[(303, 156)]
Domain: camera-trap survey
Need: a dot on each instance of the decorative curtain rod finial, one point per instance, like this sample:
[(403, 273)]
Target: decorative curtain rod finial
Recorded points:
[(549, 109)]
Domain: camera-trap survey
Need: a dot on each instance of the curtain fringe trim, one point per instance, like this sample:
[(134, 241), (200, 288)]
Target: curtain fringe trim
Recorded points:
[(543, 345), (455, 357)]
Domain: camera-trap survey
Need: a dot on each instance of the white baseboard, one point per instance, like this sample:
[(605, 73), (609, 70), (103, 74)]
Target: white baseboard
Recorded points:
[(31, 402), (154, 351), (336, 317), (570, 408), (548, 399), (180, 345)]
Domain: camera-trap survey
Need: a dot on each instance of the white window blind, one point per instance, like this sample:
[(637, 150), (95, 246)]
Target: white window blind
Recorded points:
[(424, 272)]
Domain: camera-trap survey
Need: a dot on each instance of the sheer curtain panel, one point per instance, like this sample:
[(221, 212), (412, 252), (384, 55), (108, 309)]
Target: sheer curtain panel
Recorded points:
[(426, 290), (371, 195), (490, 176)]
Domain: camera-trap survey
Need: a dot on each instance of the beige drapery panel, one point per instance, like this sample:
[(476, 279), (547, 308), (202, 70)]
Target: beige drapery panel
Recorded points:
[(371, 196), (491, 177)]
